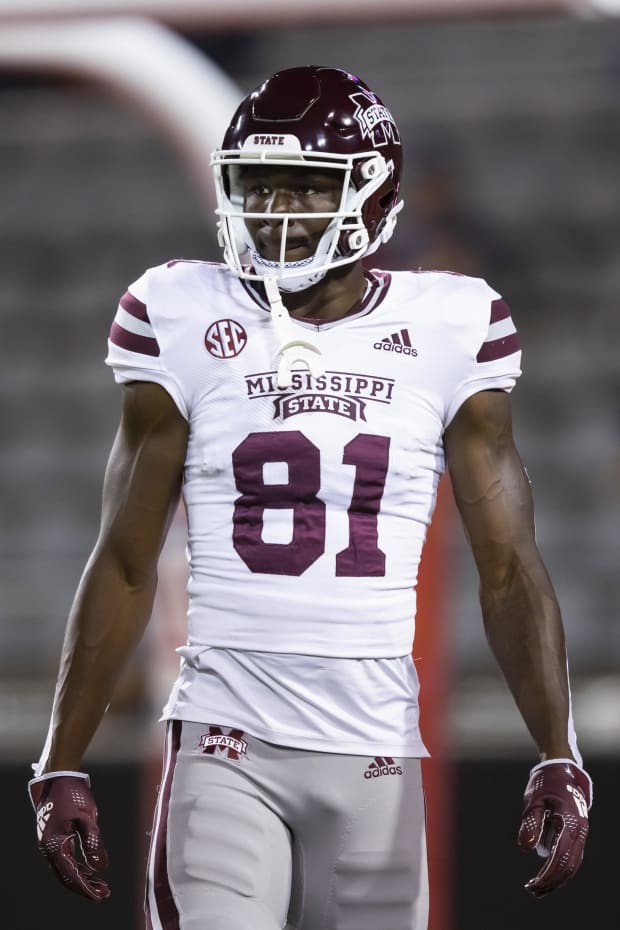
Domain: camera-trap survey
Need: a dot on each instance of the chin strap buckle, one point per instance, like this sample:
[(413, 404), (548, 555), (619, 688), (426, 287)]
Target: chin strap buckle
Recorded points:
[(291, 350)]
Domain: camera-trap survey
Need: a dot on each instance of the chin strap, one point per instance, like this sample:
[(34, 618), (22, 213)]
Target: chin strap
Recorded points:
[(290, 350)]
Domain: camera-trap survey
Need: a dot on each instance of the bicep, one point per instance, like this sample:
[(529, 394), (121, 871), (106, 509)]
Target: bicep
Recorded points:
[(143, 479), (491, 487)]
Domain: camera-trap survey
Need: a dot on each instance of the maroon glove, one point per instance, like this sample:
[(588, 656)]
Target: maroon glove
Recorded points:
[(555, 821), (67, 831)]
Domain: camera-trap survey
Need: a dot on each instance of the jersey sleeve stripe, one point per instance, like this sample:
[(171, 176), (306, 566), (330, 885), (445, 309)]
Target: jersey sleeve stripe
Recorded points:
[(143, 345), (499, 311), (133, 325), (134, 307), (493, 349), (500, 329)]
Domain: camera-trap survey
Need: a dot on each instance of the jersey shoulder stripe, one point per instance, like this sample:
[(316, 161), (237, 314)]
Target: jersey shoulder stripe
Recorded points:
[(132, 330), (134, 307), (132, 342), (502, 338)]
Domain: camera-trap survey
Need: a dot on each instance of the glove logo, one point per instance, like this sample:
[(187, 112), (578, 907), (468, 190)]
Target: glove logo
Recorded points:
[(579, 799), (43, 815)]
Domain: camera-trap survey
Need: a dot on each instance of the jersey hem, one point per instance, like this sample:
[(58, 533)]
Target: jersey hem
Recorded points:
[(335, 747), (126, 374), (499, 383), (318, 651)]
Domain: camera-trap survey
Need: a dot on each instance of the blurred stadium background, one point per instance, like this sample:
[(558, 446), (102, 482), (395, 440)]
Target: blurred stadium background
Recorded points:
[(510, 114)]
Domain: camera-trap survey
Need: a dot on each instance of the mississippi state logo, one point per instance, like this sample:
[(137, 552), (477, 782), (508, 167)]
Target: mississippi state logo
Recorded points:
[(337, 392), (375, 121), (230, 744), (225, 339)]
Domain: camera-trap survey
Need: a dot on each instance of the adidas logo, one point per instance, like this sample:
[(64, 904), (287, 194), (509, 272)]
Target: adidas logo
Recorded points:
[(580, 801), (382, 766), (397, 342), (43, 815)]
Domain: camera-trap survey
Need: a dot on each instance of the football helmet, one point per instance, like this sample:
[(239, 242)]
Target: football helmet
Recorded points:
[(328, 119)]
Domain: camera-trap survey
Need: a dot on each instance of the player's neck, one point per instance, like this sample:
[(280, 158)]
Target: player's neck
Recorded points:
[(332, 298)]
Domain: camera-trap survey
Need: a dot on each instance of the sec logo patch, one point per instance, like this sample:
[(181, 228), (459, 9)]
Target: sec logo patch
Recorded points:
[(225, 339)]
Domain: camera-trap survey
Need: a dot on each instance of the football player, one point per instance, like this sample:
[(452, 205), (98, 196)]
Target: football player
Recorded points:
[(306, 408)]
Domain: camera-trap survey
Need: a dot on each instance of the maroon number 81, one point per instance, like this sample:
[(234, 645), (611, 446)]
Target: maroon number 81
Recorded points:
[(361, 558)]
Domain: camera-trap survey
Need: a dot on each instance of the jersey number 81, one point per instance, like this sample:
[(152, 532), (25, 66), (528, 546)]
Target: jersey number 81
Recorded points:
[(361, 558)]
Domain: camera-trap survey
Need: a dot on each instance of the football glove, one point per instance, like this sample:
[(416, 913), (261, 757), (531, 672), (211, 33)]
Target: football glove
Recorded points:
[(555, 821), (67, 831)]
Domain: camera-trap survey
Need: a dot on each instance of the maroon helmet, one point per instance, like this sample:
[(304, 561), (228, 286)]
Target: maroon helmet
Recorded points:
[(326, 118)]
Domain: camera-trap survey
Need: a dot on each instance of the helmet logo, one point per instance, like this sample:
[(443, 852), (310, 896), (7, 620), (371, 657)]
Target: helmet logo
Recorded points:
[(375, 120), (268, 140)]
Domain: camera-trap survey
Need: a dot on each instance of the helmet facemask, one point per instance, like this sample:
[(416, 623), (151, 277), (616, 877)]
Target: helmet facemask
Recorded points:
[(346, 237)]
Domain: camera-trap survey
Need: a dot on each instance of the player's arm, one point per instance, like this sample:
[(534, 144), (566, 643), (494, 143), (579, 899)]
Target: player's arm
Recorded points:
[(519, 607), (115, 596), (111, 609)]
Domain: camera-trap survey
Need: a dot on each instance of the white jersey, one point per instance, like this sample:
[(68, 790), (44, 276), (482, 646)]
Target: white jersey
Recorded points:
[(308, 507)]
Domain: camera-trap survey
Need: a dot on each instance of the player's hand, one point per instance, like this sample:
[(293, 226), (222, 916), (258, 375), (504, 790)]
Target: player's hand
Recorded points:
[(555, 821), (67, 831)]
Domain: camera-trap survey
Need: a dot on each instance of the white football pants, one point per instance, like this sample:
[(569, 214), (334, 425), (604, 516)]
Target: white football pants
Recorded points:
[(252, 836)]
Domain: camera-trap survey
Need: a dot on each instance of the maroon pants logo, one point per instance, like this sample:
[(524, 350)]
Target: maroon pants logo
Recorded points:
[(231, 744), (383, 765)]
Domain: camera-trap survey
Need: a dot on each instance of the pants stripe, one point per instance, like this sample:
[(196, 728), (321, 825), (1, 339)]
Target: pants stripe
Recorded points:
[(160, 907)]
